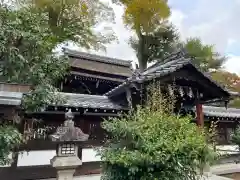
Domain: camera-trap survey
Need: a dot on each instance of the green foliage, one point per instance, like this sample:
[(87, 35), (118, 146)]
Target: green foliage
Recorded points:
[(30, 30), (158, 44), (41, 96), (212, 134), (204, 56), (74, 20), (236, 137), (10, 139), (145, 18), (26, 51), (235, 103), (153, 143)]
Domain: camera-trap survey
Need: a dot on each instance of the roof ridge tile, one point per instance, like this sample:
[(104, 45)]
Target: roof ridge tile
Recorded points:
[(99, 58)]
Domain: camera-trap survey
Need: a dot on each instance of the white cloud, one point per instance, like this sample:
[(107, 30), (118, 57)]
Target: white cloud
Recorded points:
[(212, 21), (233, 64), (120, 48), (215, 22)]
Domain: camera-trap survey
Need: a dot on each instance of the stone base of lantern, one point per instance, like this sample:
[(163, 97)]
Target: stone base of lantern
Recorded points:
[(65, 174), (65, 166)]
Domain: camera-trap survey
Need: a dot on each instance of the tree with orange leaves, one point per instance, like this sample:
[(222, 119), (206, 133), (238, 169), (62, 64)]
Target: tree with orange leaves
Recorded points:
[(231, 82)]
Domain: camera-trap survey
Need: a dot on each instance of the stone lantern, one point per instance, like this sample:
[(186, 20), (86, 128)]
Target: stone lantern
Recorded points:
[(66, 159)]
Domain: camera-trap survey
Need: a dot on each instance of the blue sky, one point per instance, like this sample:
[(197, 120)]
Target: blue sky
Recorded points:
[(214, 21)]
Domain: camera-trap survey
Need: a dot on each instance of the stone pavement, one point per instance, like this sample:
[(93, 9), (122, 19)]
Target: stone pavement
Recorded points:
[(97, 177), (225, 168), (215, 177)]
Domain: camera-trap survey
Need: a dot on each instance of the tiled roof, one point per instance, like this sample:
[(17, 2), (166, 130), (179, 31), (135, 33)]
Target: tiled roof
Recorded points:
[(91, 101), (10, 98), (171, 64), (72, 100), (93, 57), (164, 69), (154, 72), (234, 94), (213, 111), (177, 57)]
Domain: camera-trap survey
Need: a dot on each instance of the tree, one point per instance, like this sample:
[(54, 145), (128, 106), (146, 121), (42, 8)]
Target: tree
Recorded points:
[(203, 56), (157, 45), (231, 82), (26, 54), (26, 57), (28, 34), (73, 20), (144, 18), (152, 143), (40, 26)]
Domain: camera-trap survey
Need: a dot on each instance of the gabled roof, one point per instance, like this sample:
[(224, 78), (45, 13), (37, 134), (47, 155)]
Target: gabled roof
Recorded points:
[(213, 111), (234, 94), (91, 101), (72, 100), (97, 58), (82, 61), (10, 98), (170, 65)]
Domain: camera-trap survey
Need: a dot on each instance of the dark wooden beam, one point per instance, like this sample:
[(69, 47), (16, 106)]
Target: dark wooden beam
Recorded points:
[(97, 77), (202, 81), (101, 114), (32, 145), (200, 117)]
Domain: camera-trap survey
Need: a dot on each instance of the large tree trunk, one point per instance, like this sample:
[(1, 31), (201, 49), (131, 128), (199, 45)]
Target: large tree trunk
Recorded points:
[(140, 53)]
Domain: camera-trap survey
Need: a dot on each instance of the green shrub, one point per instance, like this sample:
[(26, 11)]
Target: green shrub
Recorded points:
[(236, 137), (10, 139), (151, 143)]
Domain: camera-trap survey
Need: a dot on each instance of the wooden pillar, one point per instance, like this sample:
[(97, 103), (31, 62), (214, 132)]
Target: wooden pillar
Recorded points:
[(129, 97), (200, 117)]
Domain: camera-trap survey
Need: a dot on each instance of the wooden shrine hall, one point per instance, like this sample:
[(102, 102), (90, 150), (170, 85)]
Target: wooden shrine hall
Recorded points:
[(227, 119), (97, 88)]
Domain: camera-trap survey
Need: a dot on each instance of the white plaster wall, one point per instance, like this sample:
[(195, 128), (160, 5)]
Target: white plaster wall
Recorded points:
[(36, 158), (98, 177), (89, 177), (90, 155)]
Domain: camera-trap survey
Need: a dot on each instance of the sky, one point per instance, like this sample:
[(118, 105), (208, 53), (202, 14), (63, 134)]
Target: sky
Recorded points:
[(213, 21)]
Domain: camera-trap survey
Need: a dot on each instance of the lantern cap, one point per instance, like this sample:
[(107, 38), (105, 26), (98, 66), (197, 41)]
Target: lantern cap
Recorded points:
[(68, 132)]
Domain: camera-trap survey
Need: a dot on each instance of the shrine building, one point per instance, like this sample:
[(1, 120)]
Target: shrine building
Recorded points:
[(97, 88)]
